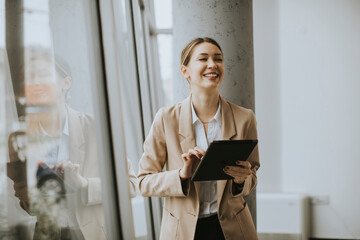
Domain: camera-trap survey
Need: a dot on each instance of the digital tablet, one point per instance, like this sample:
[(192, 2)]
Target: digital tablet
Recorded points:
[(220, 154)]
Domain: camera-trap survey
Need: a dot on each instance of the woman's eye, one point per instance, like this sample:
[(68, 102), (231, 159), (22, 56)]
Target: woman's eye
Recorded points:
[(202, 59), (218, 60)]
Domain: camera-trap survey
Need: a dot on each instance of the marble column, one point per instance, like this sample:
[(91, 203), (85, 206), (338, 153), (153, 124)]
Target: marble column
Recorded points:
[(230, 23)]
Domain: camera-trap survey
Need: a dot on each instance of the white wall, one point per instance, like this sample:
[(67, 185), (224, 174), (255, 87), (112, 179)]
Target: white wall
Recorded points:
[(267, 93), (307, 58)]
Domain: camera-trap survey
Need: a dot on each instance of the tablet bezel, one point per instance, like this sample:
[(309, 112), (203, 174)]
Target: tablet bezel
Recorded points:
[(222, 153)]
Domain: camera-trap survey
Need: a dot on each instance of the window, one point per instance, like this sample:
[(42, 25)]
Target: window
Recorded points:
[(163, 33), (55, 156)]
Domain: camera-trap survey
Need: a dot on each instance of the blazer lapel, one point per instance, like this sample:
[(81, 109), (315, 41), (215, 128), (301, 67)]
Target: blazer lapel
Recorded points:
[(77, 140), (228, 121), (185, 126), (187, 138), (228, 131)]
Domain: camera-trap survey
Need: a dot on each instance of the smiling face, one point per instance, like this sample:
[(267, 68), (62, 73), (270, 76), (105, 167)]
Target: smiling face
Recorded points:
[(205, 69), (40, 83)]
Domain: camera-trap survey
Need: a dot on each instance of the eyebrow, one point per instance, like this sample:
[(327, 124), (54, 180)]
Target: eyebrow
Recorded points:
[(217, 54), (208, 54)]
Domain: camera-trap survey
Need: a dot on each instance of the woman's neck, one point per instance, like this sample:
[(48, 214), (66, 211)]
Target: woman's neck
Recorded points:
[(205, 105), (53, 121)]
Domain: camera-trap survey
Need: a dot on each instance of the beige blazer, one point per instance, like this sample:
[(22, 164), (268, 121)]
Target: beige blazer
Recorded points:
[(83, 151), (171, 135)]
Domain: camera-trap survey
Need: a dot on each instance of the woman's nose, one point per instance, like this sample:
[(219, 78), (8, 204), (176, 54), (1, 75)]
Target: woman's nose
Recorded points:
[(211, 63)]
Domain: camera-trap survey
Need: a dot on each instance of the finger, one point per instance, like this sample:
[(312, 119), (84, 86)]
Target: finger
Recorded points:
[(238, 171), (195, 153), (58, 167), (235, 174), (202, 151), (187, 159), (66, 165), (71, 163), (72, 167), (236, 177), (245, 164), (239, 180), (184, 156), (76, 167), (62, 163), (200, 154)]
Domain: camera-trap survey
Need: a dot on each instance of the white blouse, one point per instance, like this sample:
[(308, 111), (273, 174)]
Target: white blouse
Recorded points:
[(208, 192)]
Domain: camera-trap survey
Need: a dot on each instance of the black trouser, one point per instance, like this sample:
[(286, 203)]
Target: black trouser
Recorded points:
[(209, 228)]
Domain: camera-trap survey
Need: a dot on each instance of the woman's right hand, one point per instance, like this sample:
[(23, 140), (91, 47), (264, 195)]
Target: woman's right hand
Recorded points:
[(191, 160)]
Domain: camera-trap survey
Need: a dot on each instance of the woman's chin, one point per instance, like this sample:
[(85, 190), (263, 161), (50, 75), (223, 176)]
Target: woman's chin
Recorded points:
[(213, 84), (210, 87)]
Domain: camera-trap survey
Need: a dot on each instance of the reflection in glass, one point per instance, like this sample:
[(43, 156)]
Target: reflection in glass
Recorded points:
[(53, 181), (61, 150)]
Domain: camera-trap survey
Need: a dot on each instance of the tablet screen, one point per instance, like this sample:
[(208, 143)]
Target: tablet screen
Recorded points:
[(220, 154)]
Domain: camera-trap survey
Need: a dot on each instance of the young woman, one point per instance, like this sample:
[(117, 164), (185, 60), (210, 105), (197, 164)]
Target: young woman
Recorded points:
[(177, 141)]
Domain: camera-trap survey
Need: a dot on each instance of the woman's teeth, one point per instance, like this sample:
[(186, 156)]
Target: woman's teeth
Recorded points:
[(210, 75)]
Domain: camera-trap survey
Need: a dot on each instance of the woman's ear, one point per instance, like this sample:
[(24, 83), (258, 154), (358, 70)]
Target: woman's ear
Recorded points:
[(67, 84), (184, 72)]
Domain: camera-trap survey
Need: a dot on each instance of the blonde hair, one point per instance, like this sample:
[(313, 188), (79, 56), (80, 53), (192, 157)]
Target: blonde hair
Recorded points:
[(188, 49)]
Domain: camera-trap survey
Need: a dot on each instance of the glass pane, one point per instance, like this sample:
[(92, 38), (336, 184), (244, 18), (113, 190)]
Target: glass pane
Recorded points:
[(134, 125), (129, 92), (166, 65), (50, 183), (163, 13)]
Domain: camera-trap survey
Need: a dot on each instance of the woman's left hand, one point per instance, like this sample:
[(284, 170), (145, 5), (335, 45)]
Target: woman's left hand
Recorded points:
[(71, 173), (239, 172)]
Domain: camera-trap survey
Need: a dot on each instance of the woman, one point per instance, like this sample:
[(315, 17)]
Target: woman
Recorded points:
[(178, 139), (79, 214)]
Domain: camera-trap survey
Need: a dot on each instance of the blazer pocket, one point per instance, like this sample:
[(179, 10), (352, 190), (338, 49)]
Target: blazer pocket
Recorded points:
[(169, 226), (246, 224), (93, 230)]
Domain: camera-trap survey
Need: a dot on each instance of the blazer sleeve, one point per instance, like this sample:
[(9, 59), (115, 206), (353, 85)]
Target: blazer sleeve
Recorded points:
[(251, 181), (92, 194), (132, 179), (151, 180)]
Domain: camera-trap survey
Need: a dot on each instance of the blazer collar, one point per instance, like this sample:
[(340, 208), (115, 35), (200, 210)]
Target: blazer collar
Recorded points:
[(228, 120), (185, 120), (76, 132), (185, 126), (77, 139)]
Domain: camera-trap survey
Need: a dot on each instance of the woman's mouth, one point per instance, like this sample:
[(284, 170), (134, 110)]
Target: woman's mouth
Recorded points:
[(211, 75)]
